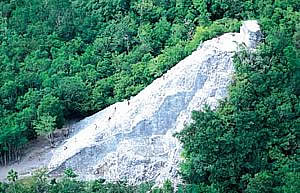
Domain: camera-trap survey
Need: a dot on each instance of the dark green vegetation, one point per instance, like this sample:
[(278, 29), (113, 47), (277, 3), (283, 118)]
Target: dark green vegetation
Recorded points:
[(251, 142), (40, 183), (62, 59)]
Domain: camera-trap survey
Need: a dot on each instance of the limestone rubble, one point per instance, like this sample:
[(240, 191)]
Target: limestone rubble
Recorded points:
[(133, 139)]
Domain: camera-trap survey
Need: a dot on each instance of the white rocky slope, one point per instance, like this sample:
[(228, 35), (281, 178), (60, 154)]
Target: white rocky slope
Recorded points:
[(133, 139)]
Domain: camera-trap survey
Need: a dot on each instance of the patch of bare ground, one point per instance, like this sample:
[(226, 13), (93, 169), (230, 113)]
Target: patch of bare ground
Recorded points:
[(37, 154)]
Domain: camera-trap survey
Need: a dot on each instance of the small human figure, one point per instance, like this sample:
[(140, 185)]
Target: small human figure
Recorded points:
[(65, 132), (65, 147), (109, 118), (128, 103), (52, 144)]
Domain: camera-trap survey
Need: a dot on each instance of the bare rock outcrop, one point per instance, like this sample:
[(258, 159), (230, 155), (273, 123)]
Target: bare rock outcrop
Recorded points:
[(251, 34), (133, 139)]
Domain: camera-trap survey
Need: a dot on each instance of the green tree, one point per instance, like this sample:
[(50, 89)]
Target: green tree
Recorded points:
[(248, 143), (50, 105), (45, 126), (74, 94), (12, 176)]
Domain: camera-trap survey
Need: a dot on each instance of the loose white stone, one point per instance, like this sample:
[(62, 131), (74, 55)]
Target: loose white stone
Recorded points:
[(251, 34), (133, 140)]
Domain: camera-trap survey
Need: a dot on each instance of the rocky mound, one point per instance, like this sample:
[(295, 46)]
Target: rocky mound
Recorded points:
[(133, 139)]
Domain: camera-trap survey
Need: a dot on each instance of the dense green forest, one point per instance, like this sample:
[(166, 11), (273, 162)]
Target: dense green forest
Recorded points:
[(62, 59), (251, 142)]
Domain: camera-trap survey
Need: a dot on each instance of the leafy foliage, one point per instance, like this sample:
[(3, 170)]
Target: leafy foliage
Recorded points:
[(250, 143), (45, 126), (61, 59), (41, 183)]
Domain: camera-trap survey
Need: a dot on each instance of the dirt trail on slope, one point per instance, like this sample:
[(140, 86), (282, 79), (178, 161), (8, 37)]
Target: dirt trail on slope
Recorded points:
[(37, 154)]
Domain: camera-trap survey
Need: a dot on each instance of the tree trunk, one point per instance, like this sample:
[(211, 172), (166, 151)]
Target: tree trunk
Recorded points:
[(50, 138)]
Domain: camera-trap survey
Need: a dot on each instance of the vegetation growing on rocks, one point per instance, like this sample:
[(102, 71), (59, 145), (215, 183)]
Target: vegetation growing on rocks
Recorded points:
[(251, 142), (62, 59)]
